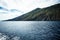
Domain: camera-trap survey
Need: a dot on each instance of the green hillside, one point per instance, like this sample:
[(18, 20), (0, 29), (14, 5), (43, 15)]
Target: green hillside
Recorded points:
[(51, 13)]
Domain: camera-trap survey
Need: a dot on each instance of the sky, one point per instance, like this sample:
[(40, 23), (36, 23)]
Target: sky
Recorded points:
[(23, 6), (27, 5)]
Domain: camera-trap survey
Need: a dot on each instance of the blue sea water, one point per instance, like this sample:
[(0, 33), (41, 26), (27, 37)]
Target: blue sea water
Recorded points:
[(30, 30)]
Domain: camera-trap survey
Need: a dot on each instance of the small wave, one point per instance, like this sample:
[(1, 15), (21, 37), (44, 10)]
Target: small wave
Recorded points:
[(6, 37)]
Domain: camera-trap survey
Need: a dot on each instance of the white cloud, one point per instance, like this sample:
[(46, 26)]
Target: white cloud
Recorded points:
[(9, 15), (28, 5), (24, 6)]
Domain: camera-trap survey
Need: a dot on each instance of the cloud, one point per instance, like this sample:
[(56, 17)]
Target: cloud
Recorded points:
[(28, 5), (24, 6)]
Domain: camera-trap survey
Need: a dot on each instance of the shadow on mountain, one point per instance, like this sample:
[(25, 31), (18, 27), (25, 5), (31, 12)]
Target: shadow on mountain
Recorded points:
[(51, 13)]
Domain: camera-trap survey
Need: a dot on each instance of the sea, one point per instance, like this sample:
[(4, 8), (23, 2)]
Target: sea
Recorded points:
[(29, 30)]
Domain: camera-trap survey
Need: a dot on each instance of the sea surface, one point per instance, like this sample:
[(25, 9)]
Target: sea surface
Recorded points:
[(29, 30)]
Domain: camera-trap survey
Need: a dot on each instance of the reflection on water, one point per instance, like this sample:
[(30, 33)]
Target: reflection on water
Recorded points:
[(30, 30)]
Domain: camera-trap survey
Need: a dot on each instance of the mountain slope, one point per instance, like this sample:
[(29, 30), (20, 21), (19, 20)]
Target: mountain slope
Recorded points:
[(51, 13)]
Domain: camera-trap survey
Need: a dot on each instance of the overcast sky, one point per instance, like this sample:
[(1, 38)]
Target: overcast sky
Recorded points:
[(24, 6), (27, 5)]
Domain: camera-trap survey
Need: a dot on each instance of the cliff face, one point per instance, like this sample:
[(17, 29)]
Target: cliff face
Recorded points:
[(51, 13)]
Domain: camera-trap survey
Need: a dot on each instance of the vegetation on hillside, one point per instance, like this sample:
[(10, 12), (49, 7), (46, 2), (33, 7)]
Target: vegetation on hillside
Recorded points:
[(51, 13)]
